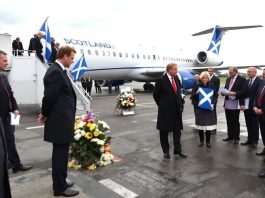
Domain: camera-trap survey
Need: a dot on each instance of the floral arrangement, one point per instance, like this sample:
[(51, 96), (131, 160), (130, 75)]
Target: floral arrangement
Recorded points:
[(126, 100), (90, 147)]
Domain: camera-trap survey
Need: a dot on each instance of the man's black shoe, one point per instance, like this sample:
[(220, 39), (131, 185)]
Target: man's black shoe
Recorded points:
[(261, 174), (67, 193), (227, 139), (180, 154), (21, 168), (236, 141), (166, 155), (261, 153), (69, 184), (245, 143)]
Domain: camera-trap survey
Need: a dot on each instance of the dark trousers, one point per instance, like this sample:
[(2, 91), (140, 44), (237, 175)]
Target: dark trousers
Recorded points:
[(59, 166), (176, 141), (13, 156), (233, 125), (262, 129), (208, 136), (252, 126)]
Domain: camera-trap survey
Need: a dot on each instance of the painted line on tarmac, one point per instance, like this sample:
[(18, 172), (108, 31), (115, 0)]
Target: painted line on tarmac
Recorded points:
[(36, 127), (124, 192)]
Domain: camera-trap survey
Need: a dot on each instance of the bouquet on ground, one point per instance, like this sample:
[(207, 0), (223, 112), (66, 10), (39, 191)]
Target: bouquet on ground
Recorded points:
[(126, 100), (90, 147)]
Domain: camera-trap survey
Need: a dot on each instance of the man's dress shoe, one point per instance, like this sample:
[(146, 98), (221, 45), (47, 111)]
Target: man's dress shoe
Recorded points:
[(208, 145), (69, 184), (227, 139), (166, 155), (21, 168), (180, 154), (261, 153), (261, 174), (245, 143), (67, 193)]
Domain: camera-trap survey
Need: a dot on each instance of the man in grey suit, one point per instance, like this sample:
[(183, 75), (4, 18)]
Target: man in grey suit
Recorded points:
[(58, 115)]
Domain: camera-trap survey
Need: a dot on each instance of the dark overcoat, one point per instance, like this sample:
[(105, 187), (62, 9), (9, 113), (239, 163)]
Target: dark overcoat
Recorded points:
[(170, 104), (58, 105)]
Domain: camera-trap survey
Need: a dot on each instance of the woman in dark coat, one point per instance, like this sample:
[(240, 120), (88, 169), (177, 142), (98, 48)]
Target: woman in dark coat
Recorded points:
[(205, 118)]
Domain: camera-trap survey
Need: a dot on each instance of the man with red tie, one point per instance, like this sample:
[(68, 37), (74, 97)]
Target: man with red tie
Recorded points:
[(170, 105)]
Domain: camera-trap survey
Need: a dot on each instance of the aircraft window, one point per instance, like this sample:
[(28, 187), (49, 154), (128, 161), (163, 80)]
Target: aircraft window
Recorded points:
[(108, 53), (158, 58), (144, 56), (81, 51), (120, 54), (164, 58), (126, 55), (89, 52), (149, 57), (137, 55), (96, 52), (114, 54), (132, 55), (103, 53), (154, 57)]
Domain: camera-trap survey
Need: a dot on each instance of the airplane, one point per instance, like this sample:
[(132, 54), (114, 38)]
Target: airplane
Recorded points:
[(105, 62)]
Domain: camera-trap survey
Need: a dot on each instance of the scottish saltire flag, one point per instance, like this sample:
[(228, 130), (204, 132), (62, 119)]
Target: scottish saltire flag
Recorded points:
[(79, 69), (47, 49), (205, 98)]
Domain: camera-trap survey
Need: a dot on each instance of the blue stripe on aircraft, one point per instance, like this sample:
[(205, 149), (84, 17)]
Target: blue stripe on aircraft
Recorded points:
[(118, 68)]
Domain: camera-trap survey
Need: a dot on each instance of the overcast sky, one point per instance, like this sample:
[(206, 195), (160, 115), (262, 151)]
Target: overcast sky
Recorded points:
[(150, 23)]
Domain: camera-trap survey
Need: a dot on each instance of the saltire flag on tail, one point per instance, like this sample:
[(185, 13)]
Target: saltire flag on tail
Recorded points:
[(79, 69), (205, 98), (47, 49)]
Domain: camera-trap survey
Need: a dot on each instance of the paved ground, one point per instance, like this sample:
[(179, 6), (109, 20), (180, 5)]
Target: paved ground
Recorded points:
[(226, 170)]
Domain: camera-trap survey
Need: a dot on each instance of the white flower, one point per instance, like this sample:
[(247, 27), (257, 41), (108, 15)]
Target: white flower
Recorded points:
[(83, 132), (98, 141), (77, 136), (81, 124)]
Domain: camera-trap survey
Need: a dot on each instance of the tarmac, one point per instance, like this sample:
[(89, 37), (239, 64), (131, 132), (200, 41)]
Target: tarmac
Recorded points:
[(225, 170)]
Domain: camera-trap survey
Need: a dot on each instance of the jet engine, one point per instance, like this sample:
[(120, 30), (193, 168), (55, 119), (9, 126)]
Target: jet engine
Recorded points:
[(209, 58)]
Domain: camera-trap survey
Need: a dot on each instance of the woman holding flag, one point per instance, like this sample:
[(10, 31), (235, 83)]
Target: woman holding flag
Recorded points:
[(205, 96)]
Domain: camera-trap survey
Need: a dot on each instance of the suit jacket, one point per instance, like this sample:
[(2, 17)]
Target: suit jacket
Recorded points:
[(170, 104), (6, 96), (17, 46), (262, 106), (239, 86), (4, 158), (216, 81), (58, 105), (252, 91), (193, 99)]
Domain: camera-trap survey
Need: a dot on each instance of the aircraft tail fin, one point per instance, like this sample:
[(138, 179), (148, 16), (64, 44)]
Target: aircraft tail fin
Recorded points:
[(218, 33)]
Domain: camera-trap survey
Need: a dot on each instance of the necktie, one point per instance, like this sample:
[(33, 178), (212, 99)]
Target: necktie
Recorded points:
[(250, 82), (231, 84), (174, 86), (261, 96)]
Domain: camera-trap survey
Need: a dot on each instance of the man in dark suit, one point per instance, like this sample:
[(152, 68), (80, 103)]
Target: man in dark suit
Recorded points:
[(4, 181), (58, 115), (36, 45), (8, 104), (237, 87), (170, 104), (216, 81), (17, 47), (259, 109), (250, 117)]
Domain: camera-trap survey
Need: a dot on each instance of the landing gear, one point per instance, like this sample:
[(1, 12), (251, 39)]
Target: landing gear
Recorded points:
[(148, 86)]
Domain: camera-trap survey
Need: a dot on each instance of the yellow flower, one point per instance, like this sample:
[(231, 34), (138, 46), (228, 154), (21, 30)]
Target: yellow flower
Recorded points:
[(77, 167), (92, 127), (88, 135), (88, 124), (96, 133), (92, 167), (71, 164), (76, 127)]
